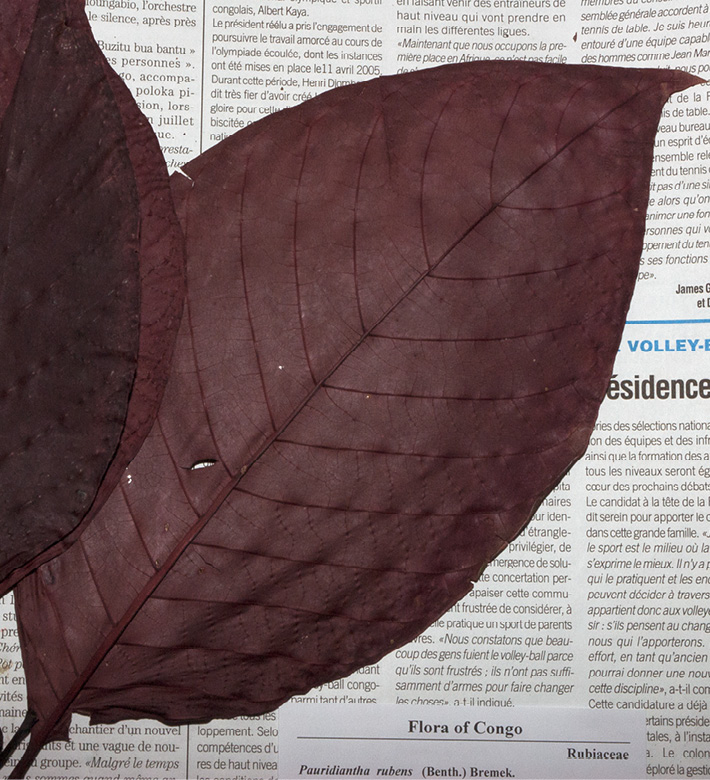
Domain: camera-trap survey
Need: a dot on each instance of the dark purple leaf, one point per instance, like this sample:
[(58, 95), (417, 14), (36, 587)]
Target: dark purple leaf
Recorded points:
[(404, 302), (16, 20), (92, 287), (162, 283)]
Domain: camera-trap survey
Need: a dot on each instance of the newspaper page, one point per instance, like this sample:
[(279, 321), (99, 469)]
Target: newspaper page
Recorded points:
[(603, 603)]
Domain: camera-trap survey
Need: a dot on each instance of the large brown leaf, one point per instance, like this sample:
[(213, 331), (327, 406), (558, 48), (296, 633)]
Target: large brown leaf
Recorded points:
[(93, 278), (404, 301)]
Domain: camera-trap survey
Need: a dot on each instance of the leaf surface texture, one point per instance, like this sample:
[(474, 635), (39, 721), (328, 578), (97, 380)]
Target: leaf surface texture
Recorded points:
[(404, 302), (92, 275)]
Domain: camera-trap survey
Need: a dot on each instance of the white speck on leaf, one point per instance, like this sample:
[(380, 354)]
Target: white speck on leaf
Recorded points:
[(202, 464)]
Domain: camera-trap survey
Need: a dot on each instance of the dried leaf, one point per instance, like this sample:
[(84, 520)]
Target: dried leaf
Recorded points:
[(404, 302), (93, 282)]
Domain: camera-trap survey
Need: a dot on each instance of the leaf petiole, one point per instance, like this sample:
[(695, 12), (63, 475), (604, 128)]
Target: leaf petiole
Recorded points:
[(22, 732)]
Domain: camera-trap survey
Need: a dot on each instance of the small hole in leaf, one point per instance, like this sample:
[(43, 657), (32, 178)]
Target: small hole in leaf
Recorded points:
[(202, 464)]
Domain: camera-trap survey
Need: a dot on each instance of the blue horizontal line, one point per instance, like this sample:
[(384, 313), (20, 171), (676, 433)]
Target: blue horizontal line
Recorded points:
[(663, 322)]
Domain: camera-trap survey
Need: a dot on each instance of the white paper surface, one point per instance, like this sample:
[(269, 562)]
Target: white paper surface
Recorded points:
[(339, 740)]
